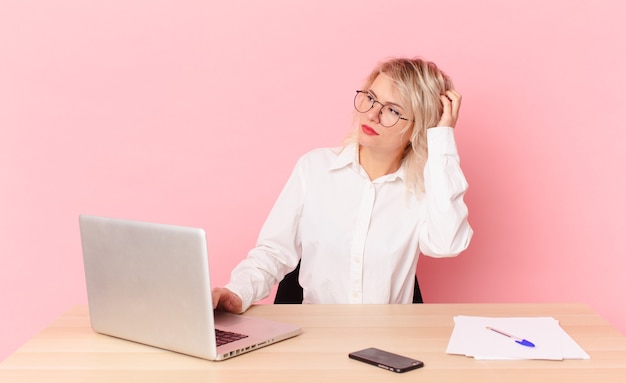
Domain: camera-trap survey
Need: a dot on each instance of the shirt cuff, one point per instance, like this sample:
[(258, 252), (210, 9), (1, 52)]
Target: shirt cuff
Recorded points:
[(441, 141), (246, 300)]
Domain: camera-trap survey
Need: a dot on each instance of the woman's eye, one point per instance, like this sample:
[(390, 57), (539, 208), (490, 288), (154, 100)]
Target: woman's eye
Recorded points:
[(394, 112)]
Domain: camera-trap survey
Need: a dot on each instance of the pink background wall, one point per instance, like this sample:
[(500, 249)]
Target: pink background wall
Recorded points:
[(193, 113)]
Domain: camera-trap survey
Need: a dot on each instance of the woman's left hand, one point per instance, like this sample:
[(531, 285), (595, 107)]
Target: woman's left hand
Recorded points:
[(451, 101)]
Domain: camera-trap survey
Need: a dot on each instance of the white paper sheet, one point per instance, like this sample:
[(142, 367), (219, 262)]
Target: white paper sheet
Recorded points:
[(471, 337)]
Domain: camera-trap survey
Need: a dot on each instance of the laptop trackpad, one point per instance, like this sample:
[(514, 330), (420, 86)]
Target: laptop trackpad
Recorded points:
[(224, 319)]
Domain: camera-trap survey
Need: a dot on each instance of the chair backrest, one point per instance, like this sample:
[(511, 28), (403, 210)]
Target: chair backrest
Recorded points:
[(290, 292)]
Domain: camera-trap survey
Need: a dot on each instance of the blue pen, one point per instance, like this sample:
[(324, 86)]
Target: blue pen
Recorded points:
[(521, 341)]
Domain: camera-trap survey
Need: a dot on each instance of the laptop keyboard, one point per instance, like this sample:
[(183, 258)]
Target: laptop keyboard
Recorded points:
[(224, 337)]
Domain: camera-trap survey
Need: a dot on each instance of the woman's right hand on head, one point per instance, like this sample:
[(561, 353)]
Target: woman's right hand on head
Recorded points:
[(451, 102), (226, 300)]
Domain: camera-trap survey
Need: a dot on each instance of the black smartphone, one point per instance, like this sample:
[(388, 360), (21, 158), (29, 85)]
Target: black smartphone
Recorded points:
[(387, 360)]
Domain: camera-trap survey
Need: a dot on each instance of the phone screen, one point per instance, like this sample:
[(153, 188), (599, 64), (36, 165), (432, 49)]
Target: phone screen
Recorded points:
[(387, 360)]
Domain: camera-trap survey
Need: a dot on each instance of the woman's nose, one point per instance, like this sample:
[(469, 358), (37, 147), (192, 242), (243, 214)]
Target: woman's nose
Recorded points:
[(374, 113)]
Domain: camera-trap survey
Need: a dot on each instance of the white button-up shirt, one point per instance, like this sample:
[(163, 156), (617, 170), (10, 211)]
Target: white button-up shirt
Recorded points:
[(358, 240)]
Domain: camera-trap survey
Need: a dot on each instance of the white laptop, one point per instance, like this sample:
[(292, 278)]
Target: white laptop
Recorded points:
[(149, 283)]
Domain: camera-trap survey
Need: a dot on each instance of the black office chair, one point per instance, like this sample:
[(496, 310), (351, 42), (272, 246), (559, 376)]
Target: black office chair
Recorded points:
[(290, 292)]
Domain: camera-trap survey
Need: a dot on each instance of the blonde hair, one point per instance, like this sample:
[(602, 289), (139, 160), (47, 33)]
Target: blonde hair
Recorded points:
[(420, 84)]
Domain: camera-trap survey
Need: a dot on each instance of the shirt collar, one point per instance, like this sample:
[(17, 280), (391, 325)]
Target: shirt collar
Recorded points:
[(349, 156)]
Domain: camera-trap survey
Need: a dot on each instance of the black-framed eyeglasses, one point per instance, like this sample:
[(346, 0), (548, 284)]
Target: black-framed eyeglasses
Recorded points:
[(388, 115)]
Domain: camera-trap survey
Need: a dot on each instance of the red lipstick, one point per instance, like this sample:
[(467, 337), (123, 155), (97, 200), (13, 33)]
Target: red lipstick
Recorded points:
[(369, 131)]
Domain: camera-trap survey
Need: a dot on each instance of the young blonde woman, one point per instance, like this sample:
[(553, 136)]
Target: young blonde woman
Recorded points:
[(357, 217)]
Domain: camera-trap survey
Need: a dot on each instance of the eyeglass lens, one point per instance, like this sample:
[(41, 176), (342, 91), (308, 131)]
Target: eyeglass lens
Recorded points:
[(363, 102)]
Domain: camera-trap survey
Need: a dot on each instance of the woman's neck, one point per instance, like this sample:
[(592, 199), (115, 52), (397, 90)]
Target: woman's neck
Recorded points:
[(378, 164)]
